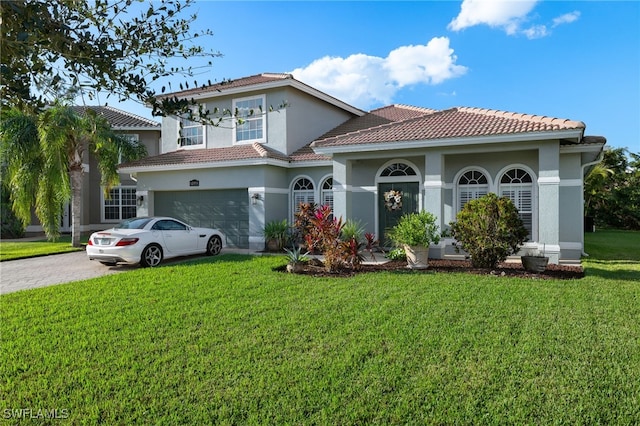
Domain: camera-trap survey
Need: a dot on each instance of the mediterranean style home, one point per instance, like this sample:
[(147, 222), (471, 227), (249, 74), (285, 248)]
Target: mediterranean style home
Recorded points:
[(371, 167), (98, 211)]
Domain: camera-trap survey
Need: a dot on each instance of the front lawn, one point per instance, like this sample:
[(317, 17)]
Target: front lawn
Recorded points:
[(23, 249), (227, 340)]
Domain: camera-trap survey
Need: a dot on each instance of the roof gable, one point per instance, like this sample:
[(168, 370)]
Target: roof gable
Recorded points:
[(257, 82)]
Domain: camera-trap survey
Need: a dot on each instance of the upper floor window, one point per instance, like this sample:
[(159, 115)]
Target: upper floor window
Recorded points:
[(249, 119), (517, 185), (191, 133), (471, 185)]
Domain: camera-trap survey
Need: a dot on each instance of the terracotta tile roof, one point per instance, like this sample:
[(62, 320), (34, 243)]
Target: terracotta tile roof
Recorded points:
[(208, 155), (452, 123), (377, 117), (399, 112), (230, 84), (119, 119), (307, 154)]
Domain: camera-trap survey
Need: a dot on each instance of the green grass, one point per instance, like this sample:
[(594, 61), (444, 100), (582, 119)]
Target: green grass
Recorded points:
[(612, 244), (23, 249), (227, 340)]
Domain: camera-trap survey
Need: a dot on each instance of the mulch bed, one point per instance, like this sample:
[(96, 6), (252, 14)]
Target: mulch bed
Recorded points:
[(557, 272)]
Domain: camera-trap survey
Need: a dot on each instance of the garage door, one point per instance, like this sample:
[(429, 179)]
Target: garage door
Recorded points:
[(227, 210)]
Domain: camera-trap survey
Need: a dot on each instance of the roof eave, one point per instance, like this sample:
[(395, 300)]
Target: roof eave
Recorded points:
[(136, 128), (448, 142), (205, 165), (213, 93), (582, 147)]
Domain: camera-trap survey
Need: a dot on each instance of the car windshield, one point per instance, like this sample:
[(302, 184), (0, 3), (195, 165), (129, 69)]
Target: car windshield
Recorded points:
[(134, 223)]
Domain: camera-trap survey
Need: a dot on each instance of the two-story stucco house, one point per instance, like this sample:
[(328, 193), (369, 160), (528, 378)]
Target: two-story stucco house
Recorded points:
[(239, 175)]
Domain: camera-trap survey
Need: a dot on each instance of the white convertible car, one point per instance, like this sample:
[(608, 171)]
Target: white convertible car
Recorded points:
[(148, 240)]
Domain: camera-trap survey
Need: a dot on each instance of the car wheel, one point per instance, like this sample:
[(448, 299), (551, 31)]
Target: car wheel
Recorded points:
[(151, 256), (214, 245), (109, 263)]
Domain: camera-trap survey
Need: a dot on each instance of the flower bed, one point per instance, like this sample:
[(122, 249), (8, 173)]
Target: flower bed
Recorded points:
[(508, 269)]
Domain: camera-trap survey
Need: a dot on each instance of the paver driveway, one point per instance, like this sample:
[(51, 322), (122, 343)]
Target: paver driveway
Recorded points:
[(43, 271)]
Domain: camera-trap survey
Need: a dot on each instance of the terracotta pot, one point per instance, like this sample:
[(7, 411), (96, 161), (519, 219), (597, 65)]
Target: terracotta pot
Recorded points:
[(417, 257), (274, 244), (534, 263)]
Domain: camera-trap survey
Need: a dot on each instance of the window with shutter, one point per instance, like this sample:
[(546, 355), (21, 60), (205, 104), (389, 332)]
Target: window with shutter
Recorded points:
[(517, 185), (326, 197), (303, 192), (471, 185)]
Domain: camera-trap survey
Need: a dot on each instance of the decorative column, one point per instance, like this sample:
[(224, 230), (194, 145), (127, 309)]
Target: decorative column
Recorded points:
[(433, 195), (341, 187), (549, 200), (257, 199)]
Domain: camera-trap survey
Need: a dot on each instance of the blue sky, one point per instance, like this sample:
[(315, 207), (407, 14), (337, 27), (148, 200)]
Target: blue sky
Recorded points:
[(575, 60)]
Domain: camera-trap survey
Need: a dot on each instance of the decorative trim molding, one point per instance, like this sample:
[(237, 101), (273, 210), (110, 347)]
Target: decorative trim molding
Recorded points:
[(571, 182), (549, 180)]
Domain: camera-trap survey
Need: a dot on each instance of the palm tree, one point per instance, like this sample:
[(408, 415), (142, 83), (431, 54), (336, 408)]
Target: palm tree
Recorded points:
[(44, 157), (594, 188)]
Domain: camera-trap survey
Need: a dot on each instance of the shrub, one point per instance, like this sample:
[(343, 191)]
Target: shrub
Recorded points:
[(372, 244), (489, 229), (352, 229), (302, 222), (339, 242), (12, 227), (322, 234), (397, 254), (415, 229), (278, 231)]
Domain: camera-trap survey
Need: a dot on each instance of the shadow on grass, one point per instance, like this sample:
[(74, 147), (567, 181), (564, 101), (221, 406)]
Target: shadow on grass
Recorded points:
[(202, 258), (620, 270)]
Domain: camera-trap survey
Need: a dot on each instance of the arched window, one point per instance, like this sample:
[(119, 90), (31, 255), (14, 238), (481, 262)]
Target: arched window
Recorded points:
[(303, 192), (398, 169), (517, 184), (471, 185), (326, 192)]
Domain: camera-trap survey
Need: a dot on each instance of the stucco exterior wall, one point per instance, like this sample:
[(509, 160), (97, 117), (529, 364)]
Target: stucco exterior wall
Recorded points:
[(307, 118), (287, 120)]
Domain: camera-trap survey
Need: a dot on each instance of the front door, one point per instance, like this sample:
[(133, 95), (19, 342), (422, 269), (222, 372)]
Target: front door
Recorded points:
[(65, 219), (390, 210)]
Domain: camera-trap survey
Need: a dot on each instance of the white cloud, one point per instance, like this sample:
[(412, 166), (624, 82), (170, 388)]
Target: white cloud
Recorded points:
[(506, 14), (536, 31), (539, 31), (364, 80), (509, 15), (567, 18)]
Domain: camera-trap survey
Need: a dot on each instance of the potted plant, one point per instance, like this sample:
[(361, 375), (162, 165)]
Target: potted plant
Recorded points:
[(415, 232), (534, 261), (296, 259), (275, 234)]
